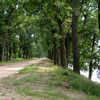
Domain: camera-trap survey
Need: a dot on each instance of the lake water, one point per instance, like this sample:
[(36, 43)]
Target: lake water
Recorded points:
[(95, 75)]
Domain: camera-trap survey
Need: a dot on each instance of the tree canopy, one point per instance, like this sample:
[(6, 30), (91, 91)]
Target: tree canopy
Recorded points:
[(66, 31)]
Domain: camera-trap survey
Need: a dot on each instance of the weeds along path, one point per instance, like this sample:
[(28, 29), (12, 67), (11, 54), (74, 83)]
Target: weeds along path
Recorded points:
[(10, 69)]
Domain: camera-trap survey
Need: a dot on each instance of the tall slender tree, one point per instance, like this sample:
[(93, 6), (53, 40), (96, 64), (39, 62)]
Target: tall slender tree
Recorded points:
[(75, 38)]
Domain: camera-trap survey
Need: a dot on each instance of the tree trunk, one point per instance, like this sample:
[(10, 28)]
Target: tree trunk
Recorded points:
[(50, 54), (19, 51), (10, 50), (0, 52), (75, 39), (99, 14), (27, 55), (23, 52), (62, 44), (58, 61), (15, 55), (55, 54), (11, 55), (67, 45), (76, 52), (90, 70), (54, 50), (91, 64), (20, 46), (3, 49), (7, 56), (63, 53)]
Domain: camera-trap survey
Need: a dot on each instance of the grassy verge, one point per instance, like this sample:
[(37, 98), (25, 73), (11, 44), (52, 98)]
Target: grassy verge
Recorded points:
[(78, 82), (47, 82), (16, 60)]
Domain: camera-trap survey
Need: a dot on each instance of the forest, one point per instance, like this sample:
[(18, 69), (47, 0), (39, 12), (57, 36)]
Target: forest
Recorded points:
[(65, 31)]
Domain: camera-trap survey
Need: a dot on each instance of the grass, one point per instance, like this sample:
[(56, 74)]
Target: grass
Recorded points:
[(47, 83), (16, 60), (78, 82), (84, 84), (35, 84), (42, 95)]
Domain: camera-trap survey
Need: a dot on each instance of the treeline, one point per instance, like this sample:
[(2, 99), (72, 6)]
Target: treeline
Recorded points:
[(71, 33), (16, 32), (16, 47)]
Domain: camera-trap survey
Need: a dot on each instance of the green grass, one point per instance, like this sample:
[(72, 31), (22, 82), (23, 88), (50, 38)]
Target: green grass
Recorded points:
[(82, 83), (48, 95), (93, 98), (32, 83), (78, 82), (17, 60), (29, 69)]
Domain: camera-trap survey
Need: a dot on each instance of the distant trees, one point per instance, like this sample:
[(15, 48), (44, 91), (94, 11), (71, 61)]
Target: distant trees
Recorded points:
[(13, 22)]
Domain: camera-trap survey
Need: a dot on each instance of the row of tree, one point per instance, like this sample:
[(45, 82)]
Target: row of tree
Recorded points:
[(70, 31), (16, 32), (65, 31)]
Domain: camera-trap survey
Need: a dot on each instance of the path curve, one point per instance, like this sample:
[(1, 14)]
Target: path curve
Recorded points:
[(12, 68)]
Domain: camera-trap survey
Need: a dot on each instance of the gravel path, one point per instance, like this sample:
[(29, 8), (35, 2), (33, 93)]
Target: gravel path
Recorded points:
[(9, 69)]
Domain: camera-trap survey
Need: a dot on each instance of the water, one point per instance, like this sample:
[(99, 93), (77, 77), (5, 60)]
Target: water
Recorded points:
[(95, 76)]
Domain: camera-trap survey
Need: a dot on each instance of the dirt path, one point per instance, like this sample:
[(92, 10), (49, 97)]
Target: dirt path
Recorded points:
[(9, 69), (36, 83)]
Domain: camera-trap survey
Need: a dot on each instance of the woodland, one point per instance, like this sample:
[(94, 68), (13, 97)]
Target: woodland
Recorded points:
[(65, 31)]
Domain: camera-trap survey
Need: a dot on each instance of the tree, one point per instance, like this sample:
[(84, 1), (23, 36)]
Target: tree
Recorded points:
[(76, 52), (99, 13)]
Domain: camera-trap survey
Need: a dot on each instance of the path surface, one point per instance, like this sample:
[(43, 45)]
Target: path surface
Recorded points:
[(37, 83), (9, 69)]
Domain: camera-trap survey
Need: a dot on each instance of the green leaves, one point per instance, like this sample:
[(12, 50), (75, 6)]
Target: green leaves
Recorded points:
[(32, 6)]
